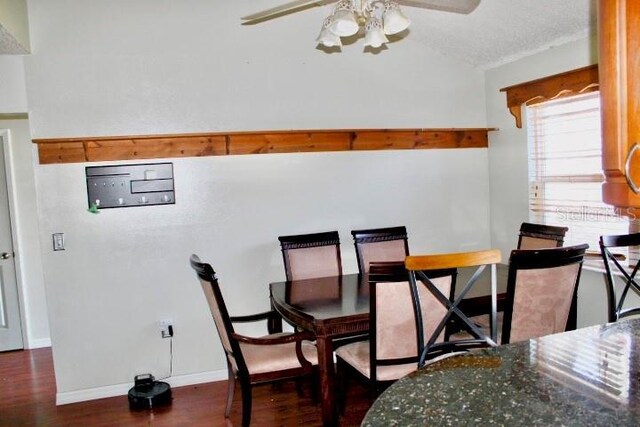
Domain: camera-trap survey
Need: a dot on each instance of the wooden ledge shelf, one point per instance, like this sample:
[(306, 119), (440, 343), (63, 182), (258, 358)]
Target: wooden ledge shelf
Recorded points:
[(97, 149)]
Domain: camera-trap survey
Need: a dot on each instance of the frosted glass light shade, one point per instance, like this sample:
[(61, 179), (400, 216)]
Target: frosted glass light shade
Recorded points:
[(328, 38), (395, 21), (343, 23), (374, 35)]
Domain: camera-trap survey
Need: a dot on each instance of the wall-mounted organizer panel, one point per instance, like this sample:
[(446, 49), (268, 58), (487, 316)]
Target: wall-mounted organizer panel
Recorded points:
[(130, 185)]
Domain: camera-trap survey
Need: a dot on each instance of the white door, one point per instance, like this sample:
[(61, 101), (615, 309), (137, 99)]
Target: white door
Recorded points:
[(10, 327)]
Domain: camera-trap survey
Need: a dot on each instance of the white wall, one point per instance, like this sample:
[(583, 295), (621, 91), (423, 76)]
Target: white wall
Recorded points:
[(13, 93), (125, 269), (508, 160), (166, 67), (150, 67)]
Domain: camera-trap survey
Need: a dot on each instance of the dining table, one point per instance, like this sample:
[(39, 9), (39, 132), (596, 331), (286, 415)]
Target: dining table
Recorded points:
[(585, 377), (337, 308), (332, 308)]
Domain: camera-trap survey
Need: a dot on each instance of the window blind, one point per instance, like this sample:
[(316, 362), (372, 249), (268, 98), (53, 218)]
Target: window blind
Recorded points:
[(565, 170)]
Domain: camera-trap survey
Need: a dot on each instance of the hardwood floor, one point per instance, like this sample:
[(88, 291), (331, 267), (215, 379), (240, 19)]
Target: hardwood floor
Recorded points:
[(27, 398)]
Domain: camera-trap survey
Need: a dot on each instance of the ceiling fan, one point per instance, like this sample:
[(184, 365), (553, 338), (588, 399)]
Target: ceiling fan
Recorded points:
[(379, 18)]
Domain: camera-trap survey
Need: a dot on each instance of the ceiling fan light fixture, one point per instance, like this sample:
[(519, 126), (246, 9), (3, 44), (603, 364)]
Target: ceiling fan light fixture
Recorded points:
[(393, 19), (374, 34), (344, 23), (351, 17), (327, 38)]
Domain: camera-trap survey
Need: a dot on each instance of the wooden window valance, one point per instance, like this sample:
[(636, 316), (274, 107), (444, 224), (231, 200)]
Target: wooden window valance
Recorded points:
[(568, 83), (97, 149)]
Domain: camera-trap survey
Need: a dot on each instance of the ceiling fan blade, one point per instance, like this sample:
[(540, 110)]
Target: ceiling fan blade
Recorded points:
[(279, 10), (464, 7)]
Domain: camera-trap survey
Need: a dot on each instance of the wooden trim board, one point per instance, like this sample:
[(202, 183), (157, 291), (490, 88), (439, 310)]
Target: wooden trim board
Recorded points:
[(97, 149)]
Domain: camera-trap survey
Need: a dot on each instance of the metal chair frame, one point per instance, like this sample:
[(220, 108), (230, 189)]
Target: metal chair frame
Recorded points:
[(614, 307), (417, 265)]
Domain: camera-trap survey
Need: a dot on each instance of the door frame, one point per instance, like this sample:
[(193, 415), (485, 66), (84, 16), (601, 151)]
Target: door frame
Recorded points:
[(5, 137)]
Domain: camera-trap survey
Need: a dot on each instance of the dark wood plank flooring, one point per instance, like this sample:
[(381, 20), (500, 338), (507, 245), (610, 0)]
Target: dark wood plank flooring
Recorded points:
[(27, 398)]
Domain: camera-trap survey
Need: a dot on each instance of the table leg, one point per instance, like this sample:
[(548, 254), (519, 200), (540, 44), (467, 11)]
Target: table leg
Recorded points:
[(327, 380)]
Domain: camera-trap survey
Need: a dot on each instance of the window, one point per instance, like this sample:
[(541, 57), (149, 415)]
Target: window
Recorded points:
[(565, 170)]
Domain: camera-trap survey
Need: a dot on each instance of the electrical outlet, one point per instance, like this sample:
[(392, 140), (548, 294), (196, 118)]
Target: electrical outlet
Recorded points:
[(58, 241), (166, 328)]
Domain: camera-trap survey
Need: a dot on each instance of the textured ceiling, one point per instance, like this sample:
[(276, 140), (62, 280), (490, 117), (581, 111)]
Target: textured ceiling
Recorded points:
[(501, 31)]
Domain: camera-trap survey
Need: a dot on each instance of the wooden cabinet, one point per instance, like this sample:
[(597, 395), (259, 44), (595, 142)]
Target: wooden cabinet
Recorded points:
[(619, 42)]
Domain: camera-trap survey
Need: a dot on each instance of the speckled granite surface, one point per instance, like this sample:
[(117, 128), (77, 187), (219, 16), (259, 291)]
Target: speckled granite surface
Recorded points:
[(588, 377)]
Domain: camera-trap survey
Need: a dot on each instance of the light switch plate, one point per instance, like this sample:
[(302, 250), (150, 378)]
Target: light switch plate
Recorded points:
[(58, 241)]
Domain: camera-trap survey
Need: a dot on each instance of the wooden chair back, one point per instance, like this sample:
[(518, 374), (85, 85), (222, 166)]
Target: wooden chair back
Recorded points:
[(380, 245), (627, 276), (218, 308), (539, 236), (542, 292), (309, 256)]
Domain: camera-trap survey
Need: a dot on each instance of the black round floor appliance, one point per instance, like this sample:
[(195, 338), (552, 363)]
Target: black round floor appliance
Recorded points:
[(148, 393)]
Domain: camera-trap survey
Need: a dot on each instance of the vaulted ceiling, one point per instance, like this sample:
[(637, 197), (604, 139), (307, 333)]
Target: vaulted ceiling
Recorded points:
[(496, 32)]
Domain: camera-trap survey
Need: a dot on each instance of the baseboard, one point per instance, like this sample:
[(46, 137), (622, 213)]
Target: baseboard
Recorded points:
[(122, 389), (39, 343)]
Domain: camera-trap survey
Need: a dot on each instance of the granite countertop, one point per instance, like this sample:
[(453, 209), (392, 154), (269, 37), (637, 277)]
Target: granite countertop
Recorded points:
[(587, 377)]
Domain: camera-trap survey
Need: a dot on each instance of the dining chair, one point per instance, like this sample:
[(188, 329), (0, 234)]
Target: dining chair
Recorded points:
[(250, 360), (542, 292), (380, 244), (540, 236), (309, 256), (399, 314), (421, 266), (541, 295), (616, 308), (532, 236)]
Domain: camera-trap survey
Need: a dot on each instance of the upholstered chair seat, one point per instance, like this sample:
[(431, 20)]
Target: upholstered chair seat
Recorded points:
[(358, 355), (278, 357)]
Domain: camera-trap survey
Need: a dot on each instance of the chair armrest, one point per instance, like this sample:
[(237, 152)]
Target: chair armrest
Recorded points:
[(254, 317), (272, 340)]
